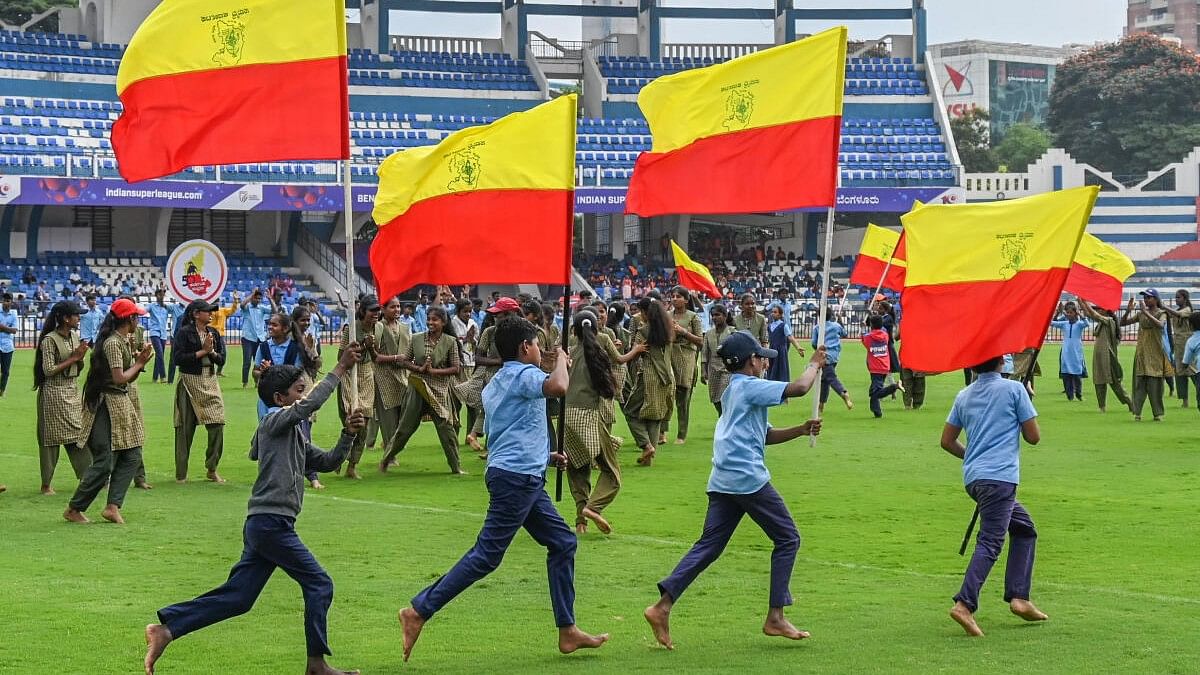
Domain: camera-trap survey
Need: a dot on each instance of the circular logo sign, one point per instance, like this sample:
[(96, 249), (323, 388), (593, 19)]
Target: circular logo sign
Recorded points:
[(197, 270)]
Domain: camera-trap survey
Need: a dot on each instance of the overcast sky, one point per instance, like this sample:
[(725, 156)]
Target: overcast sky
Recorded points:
[(1040, 22)]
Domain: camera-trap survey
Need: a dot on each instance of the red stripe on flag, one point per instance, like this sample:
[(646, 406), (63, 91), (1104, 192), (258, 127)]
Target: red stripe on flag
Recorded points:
[(895, 278), (690, 280), (952, 326), (867, 271), (787, 166), (257, 113), (480, 237), (1095, 286)]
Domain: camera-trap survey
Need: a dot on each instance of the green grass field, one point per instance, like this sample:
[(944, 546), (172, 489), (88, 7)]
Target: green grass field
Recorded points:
[(880, 507)]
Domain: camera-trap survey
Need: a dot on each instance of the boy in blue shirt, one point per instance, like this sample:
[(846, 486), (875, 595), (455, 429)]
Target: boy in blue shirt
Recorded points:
[(518, 450), (1190, 363), (740, 483), (996, 413), (833, 353)]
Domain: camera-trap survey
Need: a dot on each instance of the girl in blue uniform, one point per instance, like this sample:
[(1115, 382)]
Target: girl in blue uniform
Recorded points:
[(1070, 363)]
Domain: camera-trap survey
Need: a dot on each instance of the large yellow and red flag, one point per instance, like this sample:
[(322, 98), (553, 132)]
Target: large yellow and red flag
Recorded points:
[(984, 279), (758, 133), (880, 251), (230, 81), (1099, 272), (693, 275), (489, 204)]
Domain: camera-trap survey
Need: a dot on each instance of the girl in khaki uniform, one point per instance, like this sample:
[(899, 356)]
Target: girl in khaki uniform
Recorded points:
[(653, 392), (689, 337), (1106, 366), (56, 367), (366, 314), (112, 418), (713, 371), (433, 359), (1181, 330), (391, 379), (1150, 362), (197, 352)]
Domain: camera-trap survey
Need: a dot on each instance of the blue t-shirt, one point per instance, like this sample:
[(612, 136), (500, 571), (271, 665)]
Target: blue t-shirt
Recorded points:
[(420, 319), (740, 441), (833, 341), (7, 319), (156, 321), (254, 322), (1191, 353), (515, 419), (992, 410), (89, 323)]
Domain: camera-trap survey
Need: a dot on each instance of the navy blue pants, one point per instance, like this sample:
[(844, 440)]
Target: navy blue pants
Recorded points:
[(1073, 386), (249, 353), (725, 511), (5, 369), (270, 542), (829, 380), (999, 513), (516, 501), (160, 365), (878, 391)]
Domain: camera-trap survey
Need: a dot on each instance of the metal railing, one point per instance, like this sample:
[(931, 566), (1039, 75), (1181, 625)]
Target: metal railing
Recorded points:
[(715, 51), (333, 264)]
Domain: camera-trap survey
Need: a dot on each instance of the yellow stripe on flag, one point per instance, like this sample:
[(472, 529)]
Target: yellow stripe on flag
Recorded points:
[(1104, 258), (182, 36), (530, 150), (790, 83), (879, 243), (682, 260), (965, 243)]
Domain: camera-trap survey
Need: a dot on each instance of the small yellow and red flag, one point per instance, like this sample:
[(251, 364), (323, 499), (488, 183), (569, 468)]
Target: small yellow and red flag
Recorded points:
[(1099, 272), (693, 275), (758, 133), (880, 250), (232, 81), (489, 204)]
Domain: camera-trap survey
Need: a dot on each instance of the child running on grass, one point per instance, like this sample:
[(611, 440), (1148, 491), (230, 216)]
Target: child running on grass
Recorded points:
[(740, 483), (518, 451), (879, 363), (996, 413), (833, 353), (283, 454)]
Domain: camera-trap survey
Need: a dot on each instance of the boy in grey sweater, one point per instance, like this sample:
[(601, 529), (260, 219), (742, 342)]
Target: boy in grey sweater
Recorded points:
[(283, 457)]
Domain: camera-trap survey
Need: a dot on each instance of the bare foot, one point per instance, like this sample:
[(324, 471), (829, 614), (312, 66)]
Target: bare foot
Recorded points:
[(46, 490), (215, 477), (571, 639), (112, 513), (411, 623), (660, 622), (75, 516), (849, 403), (157, 639), (965, 618), (1026, 610), (316, 484), (3, 488), (580, 529), (595, 517), (143, 485), (317, 666), (383, 466), (180, 481), (662, 439), (647, 457), (459, 472), (474, 443), (352, 473), (778, 626), (680, 441)]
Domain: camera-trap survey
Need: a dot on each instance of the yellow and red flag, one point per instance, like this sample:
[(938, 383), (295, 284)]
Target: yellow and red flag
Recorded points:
[(489, 204), (758, 133), (880, 246), (984, 279), (1099, 272), (231, 81), (693, 275)]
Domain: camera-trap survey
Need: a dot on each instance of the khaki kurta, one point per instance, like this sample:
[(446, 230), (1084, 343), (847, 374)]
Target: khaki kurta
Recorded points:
[(653, 394), (684, 353), (714, 368), (471, 391), (124, 407), (203, 394), (60, 405), (442, 354), (590, 416), (1106, 367), (365, 373), (1181, 330), (392, 379), (757, 325), (1150, 357)]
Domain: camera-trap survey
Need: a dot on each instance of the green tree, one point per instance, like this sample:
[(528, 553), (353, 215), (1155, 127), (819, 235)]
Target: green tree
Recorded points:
[(1023, 144), (1128, 107), (971, 138), (17, 12)]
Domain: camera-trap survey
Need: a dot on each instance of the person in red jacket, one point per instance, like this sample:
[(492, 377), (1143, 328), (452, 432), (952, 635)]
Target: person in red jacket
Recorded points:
[(879, 363)]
